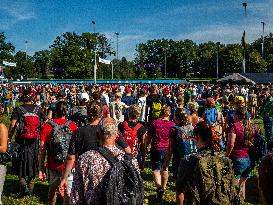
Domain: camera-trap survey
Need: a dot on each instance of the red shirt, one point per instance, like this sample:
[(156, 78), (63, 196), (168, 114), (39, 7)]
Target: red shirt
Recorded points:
[(46, 133)]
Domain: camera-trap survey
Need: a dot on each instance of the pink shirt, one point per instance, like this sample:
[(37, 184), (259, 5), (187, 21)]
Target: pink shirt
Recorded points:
[(239, 150)]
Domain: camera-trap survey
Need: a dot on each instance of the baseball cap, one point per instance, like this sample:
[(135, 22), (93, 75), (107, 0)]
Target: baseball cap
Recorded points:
[(127, 89), (167, 90), (84, 97)]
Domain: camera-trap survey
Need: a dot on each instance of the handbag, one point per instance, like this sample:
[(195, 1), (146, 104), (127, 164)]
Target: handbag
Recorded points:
[(11, 154)]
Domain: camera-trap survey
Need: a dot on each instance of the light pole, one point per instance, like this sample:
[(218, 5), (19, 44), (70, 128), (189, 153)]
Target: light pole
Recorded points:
[(217, 60), (263, 23), (244, 60), (165, 62), (95, 64), (117, 34)]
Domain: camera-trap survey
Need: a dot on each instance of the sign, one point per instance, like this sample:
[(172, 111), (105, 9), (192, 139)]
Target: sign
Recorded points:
[(9, 64)]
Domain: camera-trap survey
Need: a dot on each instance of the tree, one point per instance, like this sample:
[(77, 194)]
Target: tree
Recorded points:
[(75, 54), (42, 62), (24, 66)]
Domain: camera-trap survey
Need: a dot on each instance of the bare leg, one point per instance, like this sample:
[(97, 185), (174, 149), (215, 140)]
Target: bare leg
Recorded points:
[(164, 178), (157, 178), (52, 195)]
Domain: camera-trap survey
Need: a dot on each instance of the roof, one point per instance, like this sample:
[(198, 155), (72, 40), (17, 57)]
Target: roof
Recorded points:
[(260, 78), (236, 78)]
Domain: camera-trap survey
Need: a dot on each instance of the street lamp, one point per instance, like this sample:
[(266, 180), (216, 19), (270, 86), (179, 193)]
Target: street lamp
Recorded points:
[(117, 34), (95, 63), (244, 60), (263, 23), (26, 49)]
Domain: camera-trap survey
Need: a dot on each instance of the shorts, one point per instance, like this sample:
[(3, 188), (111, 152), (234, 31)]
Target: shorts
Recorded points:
[(54, 179), (6, 103), (157, 159), (242, 167)]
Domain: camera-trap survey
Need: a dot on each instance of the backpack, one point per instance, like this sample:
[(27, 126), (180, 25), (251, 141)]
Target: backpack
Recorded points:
[(7, 95), (156, 110), (213, 181), (29, 125), (258, 150), (59, 142), (130, 136), (78, 116), (211, 116), (124, 185)]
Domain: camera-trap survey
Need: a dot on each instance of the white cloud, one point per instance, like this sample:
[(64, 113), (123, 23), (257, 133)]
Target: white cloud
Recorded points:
[(16, 12)]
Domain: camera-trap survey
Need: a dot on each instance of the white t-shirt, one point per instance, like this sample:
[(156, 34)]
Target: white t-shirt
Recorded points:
[(142, 104)]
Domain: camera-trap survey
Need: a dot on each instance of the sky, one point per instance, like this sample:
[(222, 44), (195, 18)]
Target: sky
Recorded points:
[(40, 21)]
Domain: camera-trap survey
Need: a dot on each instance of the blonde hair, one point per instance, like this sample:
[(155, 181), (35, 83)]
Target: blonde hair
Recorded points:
[(134, 111)]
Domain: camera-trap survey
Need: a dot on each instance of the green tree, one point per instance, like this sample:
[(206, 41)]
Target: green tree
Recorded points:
[(42, 62), (24, 66)]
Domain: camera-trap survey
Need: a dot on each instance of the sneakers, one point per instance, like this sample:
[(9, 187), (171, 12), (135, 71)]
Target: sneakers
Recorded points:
[(160, 192)]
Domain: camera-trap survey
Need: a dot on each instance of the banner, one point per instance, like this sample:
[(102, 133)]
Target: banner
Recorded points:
[(108, 62), (9, 64)]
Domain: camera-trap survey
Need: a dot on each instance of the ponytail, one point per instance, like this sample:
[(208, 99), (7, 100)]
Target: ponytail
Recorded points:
[(208, 134)]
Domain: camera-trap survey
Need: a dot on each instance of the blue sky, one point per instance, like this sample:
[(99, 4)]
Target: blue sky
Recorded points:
[(40, 22)]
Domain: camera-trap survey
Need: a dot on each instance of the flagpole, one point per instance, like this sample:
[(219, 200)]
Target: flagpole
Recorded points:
[(95, 52), (112, 70), (244, 60)]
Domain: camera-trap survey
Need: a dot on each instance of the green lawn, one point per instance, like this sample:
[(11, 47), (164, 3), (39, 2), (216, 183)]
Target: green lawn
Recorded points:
[(11, 189)]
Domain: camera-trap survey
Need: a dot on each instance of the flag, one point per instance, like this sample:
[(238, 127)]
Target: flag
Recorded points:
[(9, 64), (101, 60), (244, 39)]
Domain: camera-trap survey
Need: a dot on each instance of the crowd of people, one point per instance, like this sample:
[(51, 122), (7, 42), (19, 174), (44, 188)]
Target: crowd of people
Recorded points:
[(92, 142)]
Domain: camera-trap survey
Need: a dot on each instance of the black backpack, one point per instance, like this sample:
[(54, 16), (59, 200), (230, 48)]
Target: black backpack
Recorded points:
[(124, 185), (59, 142), (258, 150)]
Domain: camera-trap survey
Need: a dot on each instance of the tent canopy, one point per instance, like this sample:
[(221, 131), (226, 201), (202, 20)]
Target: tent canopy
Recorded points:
[(236, 78)]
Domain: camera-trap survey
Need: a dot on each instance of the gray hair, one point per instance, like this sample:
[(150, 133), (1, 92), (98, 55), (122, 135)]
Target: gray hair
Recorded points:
[(107, 128)]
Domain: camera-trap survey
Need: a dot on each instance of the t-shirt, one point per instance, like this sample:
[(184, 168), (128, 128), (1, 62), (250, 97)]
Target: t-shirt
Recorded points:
[(83, 139), (239, 150), (184, 143), (46, 135), (150, 99), (128, 100), (159, 131)]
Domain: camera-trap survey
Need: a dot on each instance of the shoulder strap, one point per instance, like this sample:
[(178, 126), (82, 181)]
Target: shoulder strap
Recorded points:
[(108, 155), (137, 126), (53, 124), (24, 111)]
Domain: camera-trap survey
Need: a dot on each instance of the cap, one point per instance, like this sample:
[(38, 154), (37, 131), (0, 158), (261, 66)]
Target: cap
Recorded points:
[(210, 100), (127, 90), (167, 90), (84, 97), (103, 88)]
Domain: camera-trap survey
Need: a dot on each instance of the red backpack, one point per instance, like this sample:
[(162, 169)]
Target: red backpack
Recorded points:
[(29, 126), (130, 136)]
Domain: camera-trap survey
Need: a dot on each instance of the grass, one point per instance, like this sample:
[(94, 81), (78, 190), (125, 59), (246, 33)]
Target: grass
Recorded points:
[(11, 188)]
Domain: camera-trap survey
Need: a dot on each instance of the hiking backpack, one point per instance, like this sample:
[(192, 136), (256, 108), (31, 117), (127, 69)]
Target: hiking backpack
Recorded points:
[(131, 138), (59, 142), (156, 110), (30, 123), (211, 116), (124, 185), (79, 116), (213, 181)]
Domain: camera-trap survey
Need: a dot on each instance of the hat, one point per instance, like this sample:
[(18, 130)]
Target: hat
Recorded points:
[(103, 88), (239, 99), (127, 90), (84, 97), (167, 90), (210, 100)]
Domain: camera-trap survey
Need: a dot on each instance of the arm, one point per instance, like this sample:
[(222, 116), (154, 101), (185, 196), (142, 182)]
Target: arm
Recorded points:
[(49, 115), (41, 160), (3, 138), (12, 128), (67, 169), (168, 155), (231, 142)]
